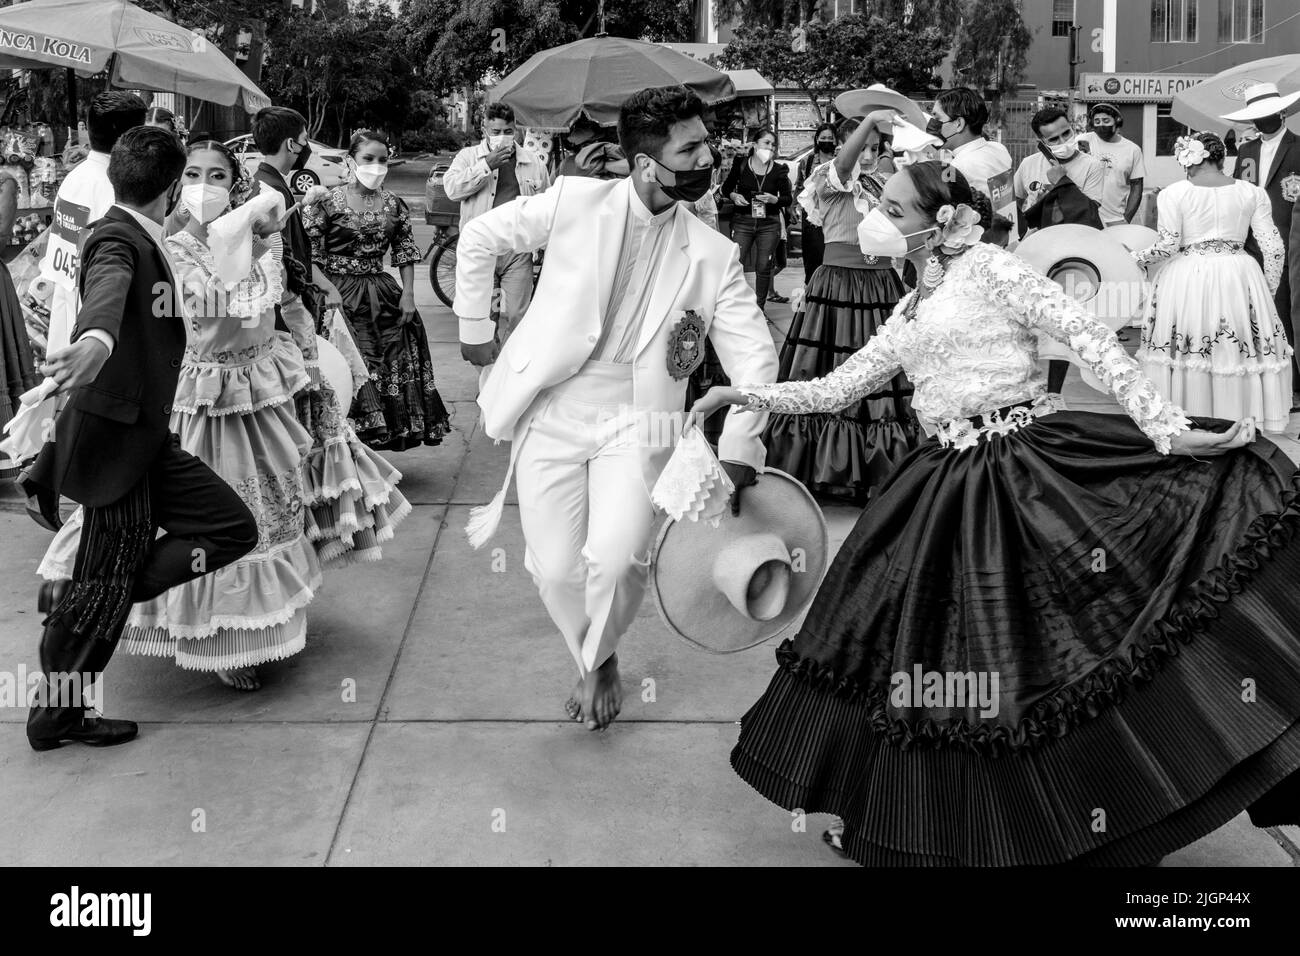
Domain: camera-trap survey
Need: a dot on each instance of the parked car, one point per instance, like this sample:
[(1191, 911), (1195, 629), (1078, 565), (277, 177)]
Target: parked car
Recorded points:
[(324, 167)]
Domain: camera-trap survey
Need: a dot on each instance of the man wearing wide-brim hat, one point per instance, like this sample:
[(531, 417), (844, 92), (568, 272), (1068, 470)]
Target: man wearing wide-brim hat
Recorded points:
[(1272, 161)]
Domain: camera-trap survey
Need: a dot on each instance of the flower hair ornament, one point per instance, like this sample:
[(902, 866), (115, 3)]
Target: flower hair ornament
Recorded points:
[(960, 227), (1190, 151)]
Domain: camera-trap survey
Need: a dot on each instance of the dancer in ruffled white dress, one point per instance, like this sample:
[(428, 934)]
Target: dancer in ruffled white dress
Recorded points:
[(1212, 341), (317, 495)]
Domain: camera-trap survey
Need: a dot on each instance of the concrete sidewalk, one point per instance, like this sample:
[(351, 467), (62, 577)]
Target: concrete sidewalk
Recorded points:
[(424, 722)]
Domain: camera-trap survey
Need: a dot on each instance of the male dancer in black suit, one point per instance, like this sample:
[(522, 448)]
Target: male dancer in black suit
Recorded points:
[(113, 451), (1272, 160)]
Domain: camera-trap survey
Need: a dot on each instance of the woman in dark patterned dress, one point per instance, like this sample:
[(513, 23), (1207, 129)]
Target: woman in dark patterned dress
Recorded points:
[(350, 231)]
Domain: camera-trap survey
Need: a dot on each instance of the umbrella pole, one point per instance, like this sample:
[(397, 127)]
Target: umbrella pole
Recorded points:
[(72, 97)]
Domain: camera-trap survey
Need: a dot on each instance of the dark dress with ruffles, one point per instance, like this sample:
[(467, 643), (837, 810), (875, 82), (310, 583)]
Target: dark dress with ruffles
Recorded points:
[(399, 408)]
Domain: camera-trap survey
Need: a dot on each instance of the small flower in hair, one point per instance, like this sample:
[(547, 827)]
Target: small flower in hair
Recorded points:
[(961, 226), (1190, 151)]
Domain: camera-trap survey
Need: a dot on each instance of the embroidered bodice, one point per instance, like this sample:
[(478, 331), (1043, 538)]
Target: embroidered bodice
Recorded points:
[(346, 241), (228, 324), (972, 348), (837, 206), (1194, 218)]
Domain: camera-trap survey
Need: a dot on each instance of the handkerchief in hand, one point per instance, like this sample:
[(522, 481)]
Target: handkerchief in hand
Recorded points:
[(230, 237), (693, 485), (28, 430)]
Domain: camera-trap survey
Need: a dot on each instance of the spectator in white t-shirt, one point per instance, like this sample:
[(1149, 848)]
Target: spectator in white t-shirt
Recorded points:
[(1038, 174), (1122, 159), (958, 119)]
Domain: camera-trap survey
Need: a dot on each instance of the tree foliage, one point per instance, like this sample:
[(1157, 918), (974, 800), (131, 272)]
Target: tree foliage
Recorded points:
[(847, 52), (993, 47)]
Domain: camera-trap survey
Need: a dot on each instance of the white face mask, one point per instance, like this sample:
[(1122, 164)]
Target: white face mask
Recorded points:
[(371, 175), (1065, 150), (878, 236), (764, 154), (497, 140), (205, 202)]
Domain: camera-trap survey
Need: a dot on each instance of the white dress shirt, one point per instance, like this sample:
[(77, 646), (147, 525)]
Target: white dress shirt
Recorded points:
[(1268, 144), (155, 231), (644, 237), (986, 166)]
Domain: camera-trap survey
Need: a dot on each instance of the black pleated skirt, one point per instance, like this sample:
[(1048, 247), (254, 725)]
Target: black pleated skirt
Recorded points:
[(1141, 614), (846, 453)]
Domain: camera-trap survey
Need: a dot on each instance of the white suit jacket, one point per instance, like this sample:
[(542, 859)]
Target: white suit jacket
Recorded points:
[(579, 221)]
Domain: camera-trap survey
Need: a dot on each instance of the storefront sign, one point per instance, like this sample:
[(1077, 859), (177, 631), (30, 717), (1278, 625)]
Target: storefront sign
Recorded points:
[(1136, 87), (44, 46)]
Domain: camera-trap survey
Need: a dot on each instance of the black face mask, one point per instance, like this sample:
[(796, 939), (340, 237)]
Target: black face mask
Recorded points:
[(1105, 132), (1268, 124), (935, 127), (826, 145), (300, 160), (691, 184)]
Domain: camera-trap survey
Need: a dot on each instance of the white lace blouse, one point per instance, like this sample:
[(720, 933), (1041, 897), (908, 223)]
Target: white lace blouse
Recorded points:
[(1192, 216), (973, 348)]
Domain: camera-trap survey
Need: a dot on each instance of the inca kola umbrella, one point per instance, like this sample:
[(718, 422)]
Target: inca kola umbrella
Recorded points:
[(1202, 106), (145, 51), (593, 77)]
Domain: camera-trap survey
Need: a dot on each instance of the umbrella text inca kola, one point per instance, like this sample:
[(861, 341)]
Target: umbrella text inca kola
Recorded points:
[(144, 51), (1203, 106), (593, 77)]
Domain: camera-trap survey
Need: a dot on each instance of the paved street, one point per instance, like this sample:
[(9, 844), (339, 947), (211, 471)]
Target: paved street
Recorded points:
[(424, 722)]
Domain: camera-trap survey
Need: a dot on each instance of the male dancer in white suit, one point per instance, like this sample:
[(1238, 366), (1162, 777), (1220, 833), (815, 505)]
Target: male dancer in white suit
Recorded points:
[(590, 387)]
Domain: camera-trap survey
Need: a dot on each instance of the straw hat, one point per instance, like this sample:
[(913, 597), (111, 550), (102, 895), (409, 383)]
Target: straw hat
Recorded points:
[(1262, 99), (1092, 266), (858, 103), (735, 586)]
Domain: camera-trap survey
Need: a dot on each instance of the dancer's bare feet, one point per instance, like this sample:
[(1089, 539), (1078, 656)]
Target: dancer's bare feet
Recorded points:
[(241, 678), (573, 706), (602, 695)]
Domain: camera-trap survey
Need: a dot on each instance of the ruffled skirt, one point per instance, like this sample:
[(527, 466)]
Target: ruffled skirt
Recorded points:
[(1212, 341), (1055, 646), (399, 408), (17, 366), (849, 452)]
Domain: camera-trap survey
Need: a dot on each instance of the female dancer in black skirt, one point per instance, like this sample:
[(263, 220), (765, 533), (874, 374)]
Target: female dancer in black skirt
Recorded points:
[(350, 231), (1054, 636), (848, 451)]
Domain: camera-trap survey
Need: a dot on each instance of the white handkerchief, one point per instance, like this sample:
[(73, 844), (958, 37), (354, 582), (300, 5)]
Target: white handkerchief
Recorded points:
[(693, 485), (230, 237), (29, 429)]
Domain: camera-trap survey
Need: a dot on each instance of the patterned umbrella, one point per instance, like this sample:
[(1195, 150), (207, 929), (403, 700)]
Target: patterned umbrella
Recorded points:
[(144, 51), (593, 77)]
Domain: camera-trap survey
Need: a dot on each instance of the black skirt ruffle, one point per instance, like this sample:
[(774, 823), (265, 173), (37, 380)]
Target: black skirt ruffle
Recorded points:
[(849, 452), (1140, 611)]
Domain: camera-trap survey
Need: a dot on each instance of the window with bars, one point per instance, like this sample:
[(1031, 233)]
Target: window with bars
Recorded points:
[(1241, 21), (1062, 17), (1173, 21)]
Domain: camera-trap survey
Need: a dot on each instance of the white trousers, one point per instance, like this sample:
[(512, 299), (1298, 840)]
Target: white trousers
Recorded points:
[(586, 515)]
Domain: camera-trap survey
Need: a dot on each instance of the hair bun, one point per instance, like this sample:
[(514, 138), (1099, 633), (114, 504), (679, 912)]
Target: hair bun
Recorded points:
[(984, 206)]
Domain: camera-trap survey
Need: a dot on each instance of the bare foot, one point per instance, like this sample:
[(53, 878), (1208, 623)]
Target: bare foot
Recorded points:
[(573, 706), (241, 678), (602, 695)]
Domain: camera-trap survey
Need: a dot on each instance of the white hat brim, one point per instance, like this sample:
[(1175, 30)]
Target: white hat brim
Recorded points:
[(858, 103), (1265, 107), (1122, 287)]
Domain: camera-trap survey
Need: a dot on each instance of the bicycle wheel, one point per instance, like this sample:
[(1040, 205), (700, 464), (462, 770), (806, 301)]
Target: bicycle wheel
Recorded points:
[(442, 270)]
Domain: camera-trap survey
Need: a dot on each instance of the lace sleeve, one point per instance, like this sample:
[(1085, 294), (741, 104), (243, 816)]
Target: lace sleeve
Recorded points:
[(1039, 303), (1269, 239), (1170, 221), (866, 371)]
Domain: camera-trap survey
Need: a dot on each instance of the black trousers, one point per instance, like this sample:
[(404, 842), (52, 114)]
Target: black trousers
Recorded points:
[(761, 236), (206, 526)]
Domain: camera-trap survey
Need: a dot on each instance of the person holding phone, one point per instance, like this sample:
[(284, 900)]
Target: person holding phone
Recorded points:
[(760, 188), (1058, 160)]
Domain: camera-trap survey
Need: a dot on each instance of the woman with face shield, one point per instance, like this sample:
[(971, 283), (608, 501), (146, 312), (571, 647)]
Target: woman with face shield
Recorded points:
[(1044, 611), (848, 452)]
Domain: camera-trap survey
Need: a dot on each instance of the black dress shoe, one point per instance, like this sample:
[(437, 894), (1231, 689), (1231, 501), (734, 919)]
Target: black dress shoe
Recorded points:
[(50, 594), (93, 730)]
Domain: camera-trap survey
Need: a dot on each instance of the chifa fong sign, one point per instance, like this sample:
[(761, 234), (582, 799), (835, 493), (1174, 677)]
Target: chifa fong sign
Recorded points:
[(1136, 87), (44, 46)]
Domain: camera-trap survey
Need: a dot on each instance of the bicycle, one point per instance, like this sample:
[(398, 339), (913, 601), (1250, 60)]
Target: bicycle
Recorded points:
[(442, 257)]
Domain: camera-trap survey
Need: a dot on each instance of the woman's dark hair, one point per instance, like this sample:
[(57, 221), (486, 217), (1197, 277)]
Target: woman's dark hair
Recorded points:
[(846, 128), (1214, 146), (646, 118), (363, 136), (938, 185), (111, 114), (825, 128), (231, 159), (145, 161), (161, 114), (964, 103), (759, 133)]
